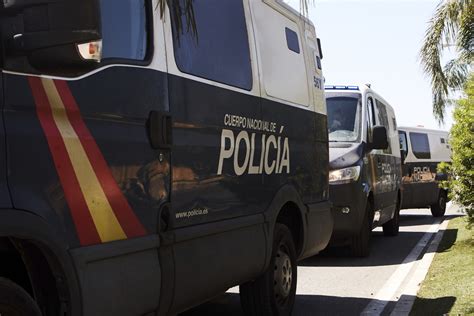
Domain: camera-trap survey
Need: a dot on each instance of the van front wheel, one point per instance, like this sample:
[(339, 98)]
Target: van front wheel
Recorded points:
[(273, 293), (439, 208), (15, 301)]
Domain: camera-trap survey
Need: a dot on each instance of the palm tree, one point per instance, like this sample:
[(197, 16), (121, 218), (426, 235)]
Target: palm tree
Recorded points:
[(451, 26)]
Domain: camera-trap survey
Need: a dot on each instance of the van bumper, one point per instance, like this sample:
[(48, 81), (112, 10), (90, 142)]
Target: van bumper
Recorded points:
[(348, 207)]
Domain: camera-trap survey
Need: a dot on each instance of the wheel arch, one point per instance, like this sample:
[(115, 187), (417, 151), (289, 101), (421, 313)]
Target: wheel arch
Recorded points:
[(44, 267), (287, 208)]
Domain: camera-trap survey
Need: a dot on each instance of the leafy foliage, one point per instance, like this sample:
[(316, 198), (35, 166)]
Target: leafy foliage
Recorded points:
[(461, 169), (451, 25)]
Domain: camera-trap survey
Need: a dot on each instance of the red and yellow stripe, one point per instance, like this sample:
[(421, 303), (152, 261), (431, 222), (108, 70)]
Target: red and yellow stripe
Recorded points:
[(100, 211)]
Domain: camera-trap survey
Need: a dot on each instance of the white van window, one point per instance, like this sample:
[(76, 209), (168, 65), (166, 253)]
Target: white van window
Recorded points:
[(292, 40), (382, 119), (382, 116), (420, 145), (344, 121), (371, 112), (403, 142), (124, 29), (220, 51)]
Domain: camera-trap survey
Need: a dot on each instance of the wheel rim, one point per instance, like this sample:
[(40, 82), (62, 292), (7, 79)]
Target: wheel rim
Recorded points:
[(442, 203), (283, 276)]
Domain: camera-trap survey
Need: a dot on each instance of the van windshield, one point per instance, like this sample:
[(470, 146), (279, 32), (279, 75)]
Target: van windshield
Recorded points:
[(344, 118)]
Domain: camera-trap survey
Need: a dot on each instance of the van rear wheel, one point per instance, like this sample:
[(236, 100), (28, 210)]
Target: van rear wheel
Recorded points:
[(15, 301), (273, 293), (360, 243), (439, 208)]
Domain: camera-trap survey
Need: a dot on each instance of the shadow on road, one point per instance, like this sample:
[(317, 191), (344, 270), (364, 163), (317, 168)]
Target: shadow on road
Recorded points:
[(436, 306), (384, 250), (229, 305)]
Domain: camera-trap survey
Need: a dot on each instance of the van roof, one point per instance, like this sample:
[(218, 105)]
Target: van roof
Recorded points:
[(362, 89), (292, 11), (421, 129)]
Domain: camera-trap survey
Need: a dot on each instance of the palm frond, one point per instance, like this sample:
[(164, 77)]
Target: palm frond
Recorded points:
[(179, 9), (456, 72), (443, 29), (466, 29)]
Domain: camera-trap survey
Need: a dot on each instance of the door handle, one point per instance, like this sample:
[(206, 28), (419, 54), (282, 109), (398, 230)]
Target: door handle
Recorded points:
[(159, 129)]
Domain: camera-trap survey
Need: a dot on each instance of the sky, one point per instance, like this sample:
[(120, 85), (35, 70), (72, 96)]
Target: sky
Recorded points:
[(378, 42)]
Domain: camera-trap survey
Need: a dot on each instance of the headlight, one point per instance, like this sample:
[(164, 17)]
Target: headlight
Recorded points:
[(345, 175)]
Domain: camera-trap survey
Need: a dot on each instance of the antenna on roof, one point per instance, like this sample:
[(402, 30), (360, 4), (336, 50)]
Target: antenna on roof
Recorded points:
[(368, 85)]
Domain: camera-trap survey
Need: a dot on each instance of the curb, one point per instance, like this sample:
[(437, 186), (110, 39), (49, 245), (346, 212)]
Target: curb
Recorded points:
[(405, 303)]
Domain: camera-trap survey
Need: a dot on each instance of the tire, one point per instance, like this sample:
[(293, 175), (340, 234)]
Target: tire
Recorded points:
[(392, 227), (273, 293), (439, 208), (360, 243), (15, 301)]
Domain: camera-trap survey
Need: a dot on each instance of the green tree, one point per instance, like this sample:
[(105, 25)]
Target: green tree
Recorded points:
[(461, 169), (451, 26)]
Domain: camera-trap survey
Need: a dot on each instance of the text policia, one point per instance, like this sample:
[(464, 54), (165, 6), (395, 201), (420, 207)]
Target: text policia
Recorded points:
[(246, 160)]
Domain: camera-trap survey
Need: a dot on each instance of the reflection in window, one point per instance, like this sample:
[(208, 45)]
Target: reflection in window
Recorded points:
[(403, 141), (124, 29), (420, 145), (343, 118), (220, 52)]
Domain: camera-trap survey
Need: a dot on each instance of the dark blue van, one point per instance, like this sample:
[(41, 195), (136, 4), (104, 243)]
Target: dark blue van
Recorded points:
[(364, 163)]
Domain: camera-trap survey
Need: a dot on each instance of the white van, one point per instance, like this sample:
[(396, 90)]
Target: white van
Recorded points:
[(422, 150), (143, 170), (364, 164)]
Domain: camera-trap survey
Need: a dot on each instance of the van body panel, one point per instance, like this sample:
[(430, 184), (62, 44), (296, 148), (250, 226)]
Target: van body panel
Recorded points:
[(420, 175), (163, 228)]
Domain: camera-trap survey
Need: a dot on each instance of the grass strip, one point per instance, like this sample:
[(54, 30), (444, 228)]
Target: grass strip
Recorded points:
[(449, 285)]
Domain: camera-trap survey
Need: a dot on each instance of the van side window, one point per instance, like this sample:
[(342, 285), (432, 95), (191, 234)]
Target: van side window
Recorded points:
[(382, 114), (420, 145), (382, 118), (220, 50), (403, 142), (370, 108), (124, 29), (292, 40)]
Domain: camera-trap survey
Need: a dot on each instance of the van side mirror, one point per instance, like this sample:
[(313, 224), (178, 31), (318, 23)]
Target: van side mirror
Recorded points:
[(51, 34), (379, 137)]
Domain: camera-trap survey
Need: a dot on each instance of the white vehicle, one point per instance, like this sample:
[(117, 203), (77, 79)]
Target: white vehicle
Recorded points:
[(422, 150)]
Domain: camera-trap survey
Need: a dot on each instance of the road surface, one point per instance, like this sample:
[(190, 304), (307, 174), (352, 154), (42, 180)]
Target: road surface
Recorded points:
[(334, 284)]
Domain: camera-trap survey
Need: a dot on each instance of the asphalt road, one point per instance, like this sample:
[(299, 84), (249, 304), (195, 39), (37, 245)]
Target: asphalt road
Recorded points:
[(333, 283)]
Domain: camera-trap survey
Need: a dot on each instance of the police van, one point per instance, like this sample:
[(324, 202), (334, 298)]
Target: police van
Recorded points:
[(148, 165), (365, 172), (422, 150)]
